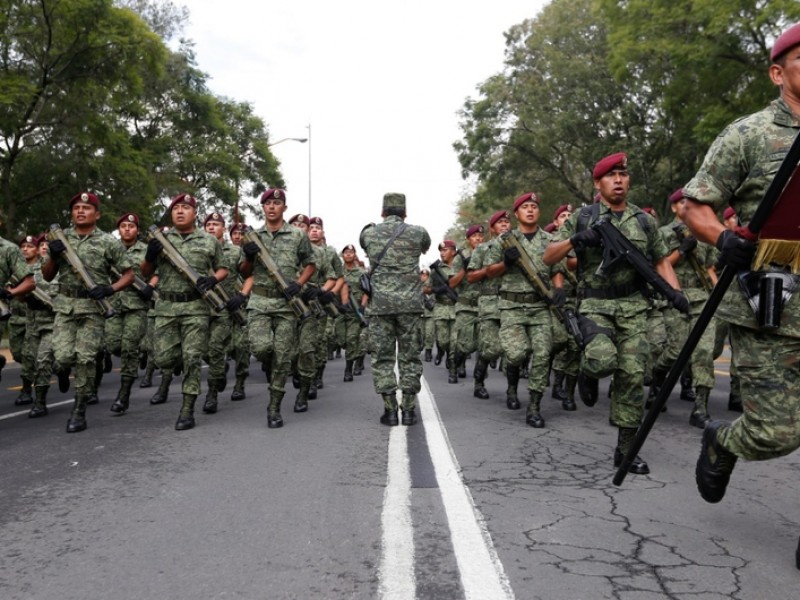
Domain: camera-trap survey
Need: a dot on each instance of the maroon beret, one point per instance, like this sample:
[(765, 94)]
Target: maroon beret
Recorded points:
[(298, 218), (474, 229), (609, 163), (29, 239), (273, 194), (650, 211), (785, 42), (183, 199), (676, 196), (215, 216), (129, 218), (86, 198), (316, 221), (562, 209), (42, 237), (550, 228), (729, 212), (500, 214), (529, 197), (238, 227), (447, 244), (348, 247)]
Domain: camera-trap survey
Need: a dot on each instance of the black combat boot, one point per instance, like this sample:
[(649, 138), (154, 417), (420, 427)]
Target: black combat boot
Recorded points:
[(534, 417), (461, 365), (238, 389), (186, 416), (99, 371), (409, 408), (568, 403), (77, 419), (389, 416), (63, 379), (39, 408), (147, 379), (588, 389), (452, 368), (558, 392), (274, 418), (312, 389), (301, 402), (348, 370), (123, 398), (479, 373), (210, 404), (657, 381), (318, 381), (700, 416), (428, 354), (512, 377), (142, 360), (358, 366), (625, 439), (439, 355), (714, 465), (687, 389), (735, 397), (107, 364), (25, 396), (163, 388)]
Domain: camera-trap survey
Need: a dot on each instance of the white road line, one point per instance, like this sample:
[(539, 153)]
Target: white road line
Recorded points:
[(26, 411), (396, 573), (482, 573)]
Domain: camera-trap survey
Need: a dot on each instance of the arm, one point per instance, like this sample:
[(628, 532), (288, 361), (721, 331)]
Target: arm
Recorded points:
[(702, 221), (556, 251), (664, 268), (124, 281), (306, 274), (23, 287), (50, 270)]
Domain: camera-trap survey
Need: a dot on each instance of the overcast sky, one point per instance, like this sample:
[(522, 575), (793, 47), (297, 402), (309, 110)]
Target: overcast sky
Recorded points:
[(379, 83)]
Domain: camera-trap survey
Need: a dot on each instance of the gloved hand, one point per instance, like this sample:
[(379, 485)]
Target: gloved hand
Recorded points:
[(292, 289), (559, 297), (586, 238), (465, 260), (679, 301), (345, 309), (154, 248), (147, 292), (56, 247), (439, 290), (511, 256), (250, 250), (99, 292), (236, 302), (687, 245), (309, 294), (735, 251), (206, 282), (327, 297), (5, 294)]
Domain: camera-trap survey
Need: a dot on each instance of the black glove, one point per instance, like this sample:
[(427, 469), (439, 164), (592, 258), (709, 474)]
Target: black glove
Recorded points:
[(5, 294), (292, 289), (439, 290), (154, 248), (327, 297), (735, 251), (559, 297), (679, 301), (465, 260), (206, 282), (99, 292), (345, 309), (511, 255), (147, 292), (250, 250), (586, 238), (687, 245), (436, 264), (56, 247), (236, 302), (309, 294)]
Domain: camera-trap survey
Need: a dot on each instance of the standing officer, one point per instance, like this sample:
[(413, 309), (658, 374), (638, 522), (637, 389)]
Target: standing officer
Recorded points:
[(79, 327), (612, 307), (737, 170), (182, 316), (394, 306)]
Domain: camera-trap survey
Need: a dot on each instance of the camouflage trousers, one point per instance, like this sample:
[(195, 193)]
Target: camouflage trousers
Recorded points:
[(219, 340), (678, 326), (77, 339), (565, 354), (489, 344), (307, 350), (353, 348), (769, 375), (428, 332), (396, 339), (339, 332), (466, 331), (321, 341), (526, 330), (39, 346), (17, 326), (273, 339), (124, 335), (239, 351), (444, 318), (656, 335), (182, 339)]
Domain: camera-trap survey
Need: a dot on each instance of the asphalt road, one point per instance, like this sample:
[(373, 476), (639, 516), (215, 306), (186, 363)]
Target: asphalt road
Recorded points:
[(132, 509)]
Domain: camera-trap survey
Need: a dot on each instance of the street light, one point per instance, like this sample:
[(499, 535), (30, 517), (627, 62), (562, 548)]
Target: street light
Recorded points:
[(301, 140)]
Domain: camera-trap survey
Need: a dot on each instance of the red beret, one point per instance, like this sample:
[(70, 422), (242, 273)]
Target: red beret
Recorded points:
[(500, 214), (348, 247), (273, 194), (238, 227), (550, 228), (29, 239), (183, 199), (785, 42), (215, 216), (562, 209), (447, 244), (129, 218), (85, 198), (609, 163), (474, 229), (676, 196), (298, 218), (42, 237), (529, 197), (650, 211), (316, 221), (729, 212)]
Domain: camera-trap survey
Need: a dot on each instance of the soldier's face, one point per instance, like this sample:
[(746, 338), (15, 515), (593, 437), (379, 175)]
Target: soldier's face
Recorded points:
[(446, 253), (475, 240), (423, 277), (236, 237), (315, 233), (614, 186), (28, 250), (348, 256), (731, 222), (528, 213), (562, 218), (43, 249), (84, 214), (216, 229), (128, 232), (787, 75), (300, 226), (501, 226), (273, 210), (183, 216)]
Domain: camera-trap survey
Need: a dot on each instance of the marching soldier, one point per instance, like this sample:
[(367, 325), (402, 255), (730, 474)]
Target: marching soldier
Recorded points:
[(444, 312), (353, 299), (466, 323), (13, 268), (240, 352), (18, 327), (428, 304)]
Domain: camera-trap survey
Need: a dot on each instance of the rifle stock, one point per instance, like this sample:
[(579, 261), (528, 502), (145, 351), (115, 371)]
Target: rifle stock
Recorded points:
[(442, 281), (236, 315), (357, 311), (37, 293)]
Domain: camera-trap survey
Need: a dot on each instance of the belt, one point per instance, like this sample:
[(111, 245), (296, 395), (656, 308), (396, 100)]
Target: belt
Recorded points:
[(444, 300), (74, 292), (268, 292), (179, 296), (611, 292), (468, 301), (521, 297)]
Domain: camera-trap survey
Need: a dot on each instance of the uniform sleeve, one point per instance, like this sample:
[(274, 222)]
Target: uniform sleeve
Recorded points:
[(426, 241), (305, 253), (117, 255), (721, 173), (656, 244), (218, 256), (476, 262), (567, 229), (338, 266), (17, 265)]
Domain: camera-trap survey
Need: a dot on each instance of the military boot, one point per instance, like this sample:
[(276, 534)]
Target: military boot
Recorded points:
[(735, 397), (687, 389), (123, 398), (39, 408), (238, 389), (348, 370), (534, 417), (524, 370), (25, 396), (358, 366), (588, 389), (77, 419), (479, 373), (461, 365), (452, 368), (210, 404), (63, 379), (312, 389), (163, 389), (274, 418), (512, 377), (558, 392), (186, 416), (147, 379), (99, 371), (568, 403), (700, 416), (625, 439), (714, 465), (389, 416), (428, 354), (318, 381), (301, 402), (439, 355), (409, 408), (657, 382)]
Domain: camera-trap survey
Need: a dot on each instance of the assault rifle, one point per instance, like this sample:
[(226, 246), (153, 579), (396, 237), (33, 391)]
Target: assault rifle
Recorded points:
[(236, 315), (138, 283), (442, 281), (37, 294), (74, 261), (566, 315), (357, 310), (682, 231)]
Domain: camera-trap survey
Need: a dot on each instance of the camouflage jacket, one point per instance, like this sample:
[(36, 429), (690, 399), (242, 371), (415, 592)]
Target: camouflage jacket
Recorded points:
[(706, 254), (231, 256), (129, 298), (396, 287), (328, 265), (514, 280), (352, 278), (468, 293)]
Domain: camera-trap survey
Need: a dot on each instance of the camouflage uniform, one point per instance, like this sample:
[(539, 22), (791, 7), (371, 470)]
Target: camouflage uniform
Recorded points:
[(428, 325), (39, 339), (489, 345), (221, 326), (466, 324), (332, 270), (354, 349), (444, 312), (13, 265)]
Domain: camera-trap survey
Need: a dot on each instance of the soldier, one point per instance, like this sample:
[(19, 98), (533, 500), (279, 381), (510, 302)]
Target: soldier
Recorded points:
[(79, 326), (428, 304), (18, 326), (182, 316), (394, 248), (489, 347), (13, 270), (466, 323), (354, 350), (444, 312), (738, 168), (613, 310), (271, 323), (239, 350)]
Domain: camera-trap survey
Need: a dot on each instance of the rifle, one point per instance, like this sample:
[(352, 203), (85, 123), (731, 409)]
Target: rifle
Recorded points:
[(212, 296), (566, 315), (236, 315), (771, 197), (295, 302), (442, 281), (56, 233), (357, 310), (682, 231), (138, 283), (37, 293)]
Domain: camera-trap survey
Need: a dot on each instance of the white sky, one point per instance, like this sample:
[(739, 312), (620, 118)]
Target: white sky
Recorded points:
[(380, 84)]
